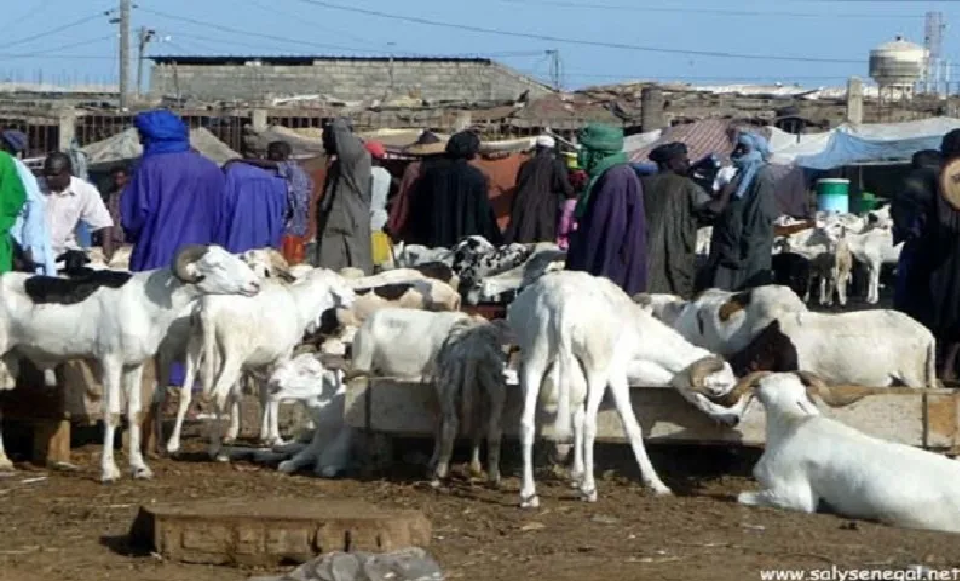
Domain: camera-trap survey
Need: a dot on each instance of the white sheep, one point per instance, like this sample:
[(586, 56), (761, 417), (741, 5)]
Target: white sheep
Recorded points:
[(469, 371), (119, 320), (304, 379), (236, 334), (879, 348), (809, 457), (873, 247), (723, 322), (574, 319)]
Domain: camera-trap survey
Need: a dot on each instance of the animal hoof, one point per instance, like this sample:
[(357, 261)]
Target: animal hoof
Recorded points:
[(329, 471), (143, 473), (222, 457), (5, 464), (173, 449), (530, 502), (435, 483), (662, 491), (576, 480), (110, 475), (588, 495), (287, 467)]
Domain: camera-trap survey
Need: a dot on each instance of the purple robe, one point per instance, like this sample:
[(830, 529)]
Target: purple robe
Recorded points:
[(610, 239), (255, 208), (172, 200)]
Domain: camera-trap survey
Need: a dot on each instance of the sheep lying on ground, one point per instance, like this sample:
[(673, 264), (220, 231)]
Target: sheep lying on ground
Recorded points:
[(573, 319), (304, 379), (809, 458), (469, 371)]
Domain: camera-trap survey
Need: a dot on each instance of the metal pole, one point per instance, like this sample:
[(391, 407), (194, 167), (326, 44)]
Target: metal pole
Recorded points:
[(144, 35), (124, 51)]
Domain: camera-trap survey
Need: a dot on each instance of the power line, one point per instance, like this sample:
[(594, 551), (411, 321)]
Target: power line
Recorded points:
[(710, 11), (14, 22), (52, 31), (581, 42), (299, 18)]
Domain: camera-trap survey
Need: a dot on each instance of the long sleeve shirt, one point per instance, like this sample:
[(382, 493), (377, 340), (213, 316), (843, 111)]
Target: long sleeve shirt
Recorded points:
[(30, 230)]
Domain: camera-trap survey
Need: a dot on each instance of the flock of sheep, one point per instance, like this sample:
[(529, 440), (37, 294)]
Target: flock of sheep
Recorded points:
[(301, 333)]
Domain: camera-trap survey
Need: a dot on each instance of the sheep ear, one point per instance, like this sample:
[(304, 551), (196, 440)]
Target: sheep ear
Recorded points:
[(286, 276)]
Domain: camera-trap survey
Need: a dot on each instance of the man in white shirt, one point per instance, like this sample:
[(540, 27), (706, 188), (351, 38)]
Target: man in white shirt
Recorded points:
[(70, 200)]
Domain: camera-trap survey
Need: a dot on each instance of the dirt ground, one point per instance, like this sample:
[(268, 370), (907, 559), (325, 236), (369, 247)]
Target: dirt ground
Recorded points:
[(71, 527)]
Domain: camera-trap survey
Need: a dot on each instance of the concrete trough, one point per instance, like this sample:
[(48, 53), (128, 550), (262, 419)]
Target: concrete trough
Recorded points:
[(927, 419)]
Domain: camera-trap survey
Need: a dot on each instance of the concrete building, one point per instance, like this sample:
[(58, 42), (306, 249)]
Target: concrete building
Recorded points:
[(348, 78)]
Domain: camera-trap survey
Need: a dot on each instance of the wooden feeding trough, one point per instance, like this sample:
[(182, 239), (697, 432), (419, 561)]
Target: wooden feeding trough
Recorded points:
[(929, 419), (50, 412)]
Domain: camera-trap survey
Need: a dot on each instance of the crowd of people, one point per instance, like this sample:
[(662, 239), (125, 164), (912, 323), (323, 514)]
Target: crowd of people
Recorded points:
[(637, 228)]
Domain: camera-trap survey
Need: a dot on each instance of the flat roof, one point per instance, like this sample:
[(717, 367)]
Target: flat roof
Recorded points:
[(303, 59)]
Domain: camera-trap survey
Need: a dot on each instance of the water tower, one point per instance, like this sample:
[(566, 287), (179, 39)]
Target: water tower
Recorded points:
[(897, 66)]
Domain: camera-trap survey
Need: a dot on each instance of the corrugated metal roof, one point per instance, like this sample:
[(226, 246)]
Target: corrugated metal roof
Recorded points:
[(701, 138), (186, 59)]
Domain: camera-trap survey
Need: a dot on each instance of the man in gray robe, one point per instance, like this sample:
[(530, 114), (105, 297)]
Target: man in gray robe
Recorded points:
[(343, 221), (675, 207), (742, 246)]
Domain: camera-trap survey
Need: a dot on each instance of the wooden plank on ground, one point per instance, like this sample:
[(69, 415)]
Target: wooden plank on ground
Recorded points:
[(927, 419)]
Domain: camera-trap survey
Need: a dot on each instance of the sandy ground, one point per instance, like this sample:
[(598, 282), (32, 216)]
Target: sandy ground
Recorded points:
[(71, 527)]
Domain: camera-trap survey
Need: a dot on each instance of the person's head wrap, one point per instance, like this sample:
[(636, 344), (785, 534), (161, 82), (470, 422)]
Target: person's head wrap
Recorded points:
[(950, 146), (546, 142), (463, 145), (376, 149), (664, 154), (427, 137), (17, 140), (925, 158), (162, 132), (755, 153), (602, 148)]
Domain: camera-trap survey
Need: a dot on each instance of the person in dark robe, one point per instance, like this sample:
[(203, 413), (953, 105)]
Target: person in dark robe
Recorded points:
[(112, 238), (450, 200), (610, 239), (909, 210), (542, 187), (940, 245), (429, 150), (674, 204), (741, 249), (343, 221), (174, 198), (255, 208)]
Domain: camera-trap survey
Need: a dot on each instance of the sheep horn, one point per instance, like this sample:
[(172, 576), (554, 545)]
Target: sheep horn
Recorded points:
[(838, 396), (743, 387), (699, 370), (185, 256)]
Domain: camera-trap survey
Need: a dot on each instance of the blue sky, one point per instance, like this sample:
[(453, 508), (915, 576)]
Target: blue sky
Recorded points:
[(66, 42)]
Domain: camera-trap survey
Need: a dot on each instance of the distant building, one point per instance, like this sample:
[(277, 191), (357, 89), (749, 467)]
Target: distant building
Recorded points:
[(249, 78)]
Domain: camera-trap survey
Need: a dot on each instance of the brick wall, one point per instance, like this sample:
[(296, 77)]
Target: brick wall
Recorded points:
[(349, 79)]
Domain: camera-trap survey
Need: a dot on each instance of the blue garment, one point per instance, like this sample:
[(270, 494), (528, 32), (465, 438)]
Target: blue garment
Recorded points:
[(255, 209), (30, 230), (83, 234), (758, 151), (15, 139), (300, 189), (163, 132)]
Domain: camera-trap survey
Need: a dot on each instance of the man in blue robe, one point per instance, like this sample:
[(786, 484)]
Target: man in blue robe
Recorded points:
[(255, 208), (175, 196)]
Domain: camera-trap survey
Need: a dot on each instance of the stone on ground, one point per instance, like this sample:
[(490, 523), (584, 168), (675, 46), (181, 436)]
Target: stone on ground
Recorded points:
[(410, 564)]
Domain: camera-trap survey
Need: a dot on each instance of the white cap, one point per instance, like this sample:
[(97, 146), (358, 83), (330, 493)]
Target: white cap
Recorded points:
[(545, 141)]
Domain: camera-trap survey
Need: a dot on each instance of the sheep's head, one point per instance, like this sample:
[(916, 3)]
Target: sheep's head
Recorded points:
[(215, 271), (268, 263), (334, 294), (664, 307), (303, 378), (710, 375)]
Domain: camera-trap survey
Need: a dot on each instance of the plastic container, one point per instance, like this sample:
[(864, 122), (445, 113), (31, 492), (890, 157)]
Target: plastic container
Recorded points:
[(571, 159), (833, 195), (863, 203)]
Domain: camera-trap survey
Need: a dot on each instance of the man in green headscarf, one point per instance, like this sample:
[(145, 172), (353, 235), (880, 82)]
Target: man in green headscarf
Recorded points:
[(610, 239), (12, 197)]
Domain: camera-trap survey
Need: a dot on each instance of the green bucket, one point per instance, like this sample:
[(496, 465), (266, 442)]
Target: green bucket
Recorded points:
[(863, 203), (833, 195)]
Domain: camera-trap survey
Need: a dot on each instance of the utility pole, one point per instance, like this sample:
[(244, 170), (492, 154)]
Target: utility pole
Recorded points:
[(124, 22), (144, 35), (555, 68)]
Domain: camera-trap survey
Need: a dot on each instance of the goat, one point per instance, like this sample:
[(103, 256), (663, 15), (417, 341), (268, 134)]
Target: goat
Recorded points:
[(836, 346), (874, 247), (50, 320), (723, 322), (253, 334), (519, 277), (574, 319), (469, 368), (809, 457), (305, 380), (427, 295)]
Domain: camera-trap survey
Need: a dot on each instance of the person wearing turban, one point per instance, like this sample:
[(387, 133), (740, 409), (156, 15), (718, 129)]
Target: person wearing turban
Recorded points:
[(610, 239), (429, 150), (741, 249), (451, 199), (674, 204), (542, 187), (30, 230)]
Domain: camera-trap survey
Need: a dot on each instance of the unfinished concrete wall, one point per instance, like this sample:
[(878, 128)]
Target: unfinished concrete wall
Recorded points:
[(349, 79)]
